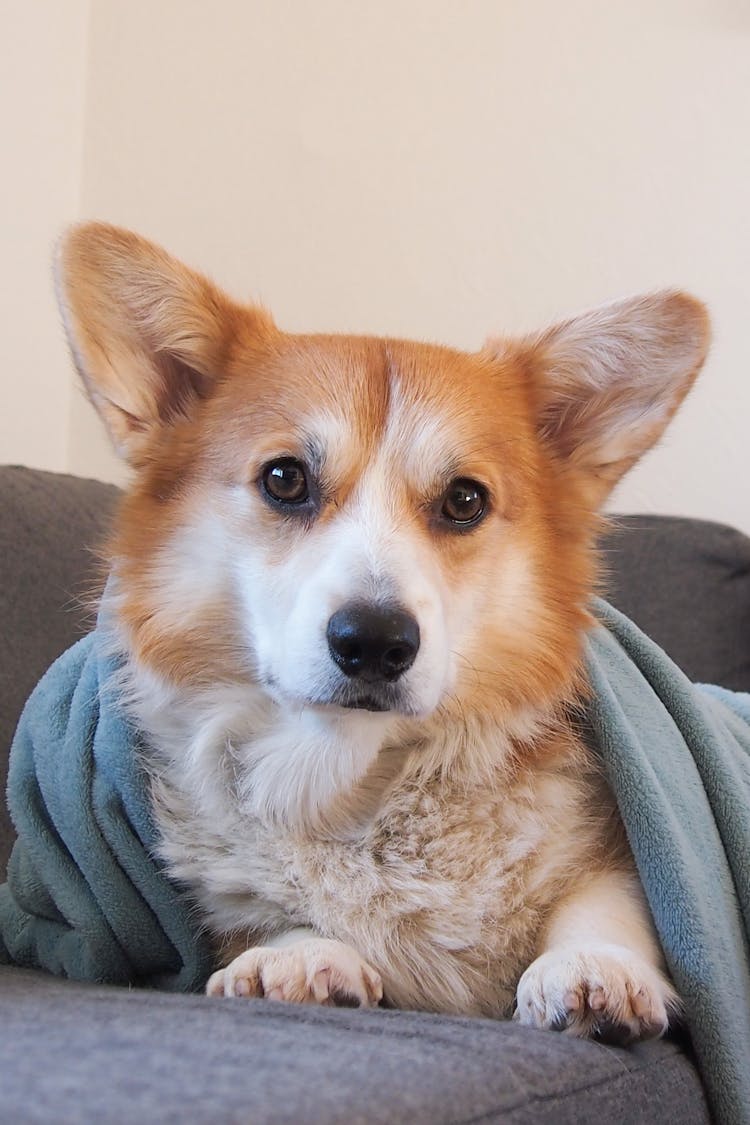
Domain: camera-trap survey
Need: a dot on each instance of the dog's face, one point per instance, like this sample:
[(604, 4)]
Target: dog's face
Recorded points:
[(356, 523), (368, 501)]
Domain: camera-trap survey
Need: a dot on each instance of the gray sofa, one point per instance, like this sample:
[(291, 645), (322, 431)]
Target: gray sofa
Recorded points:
[(82, 1052)]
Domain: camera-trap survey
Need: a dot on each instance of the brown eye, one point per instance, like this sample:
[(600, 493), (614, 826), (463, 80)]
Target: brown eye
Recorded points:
[(464, 503), (285, 481)]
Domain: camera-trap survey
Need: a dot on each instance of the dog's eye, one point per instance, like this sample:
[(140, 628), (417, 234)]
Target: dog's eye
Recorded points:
[(285, 481), (464, 502)]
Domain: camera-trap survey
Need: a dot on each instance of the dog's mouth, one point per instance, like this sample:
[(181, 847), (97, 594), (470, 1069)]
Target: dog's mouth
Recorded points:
[(378, 698), (366, 703)]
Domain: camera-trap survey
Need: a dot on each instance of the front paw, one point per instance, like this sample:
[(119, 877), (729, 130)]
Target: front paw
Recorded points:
[(598, 991), (310, 971)]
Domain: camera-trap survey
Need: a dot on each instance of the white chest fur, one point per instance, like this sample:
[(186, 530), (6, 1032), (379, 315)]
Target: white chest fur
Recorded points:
[(440, 876)]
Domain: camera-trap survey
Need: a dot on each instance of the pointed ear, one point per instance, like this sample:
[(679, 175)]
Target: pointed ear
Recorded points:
[(148, 335), (607, 383)]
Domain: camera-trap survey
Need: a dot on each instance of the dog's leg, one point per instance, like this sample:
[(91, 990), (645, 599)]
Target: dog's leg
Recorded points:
[(600, 972), (303, 967)]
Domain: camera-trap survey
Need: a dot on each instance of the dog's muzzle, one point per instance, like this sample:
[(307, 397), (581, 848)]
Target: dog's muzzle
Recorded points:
[(373, 645)]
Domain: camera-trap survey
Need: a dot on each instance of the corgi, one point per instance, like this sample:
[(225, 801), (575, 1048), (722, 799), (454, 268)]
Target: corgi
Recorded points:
[(349, 587)]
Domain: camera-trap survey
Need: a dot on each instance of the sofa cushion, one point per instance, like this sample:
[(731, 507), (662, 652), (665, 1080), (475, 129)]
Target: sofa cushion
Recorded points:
[(76, 1053), (686, 583)]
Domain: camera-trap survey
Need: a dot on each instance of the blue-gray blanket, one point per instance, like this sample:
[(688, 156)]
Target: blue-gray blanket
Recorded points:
[(85, 897)]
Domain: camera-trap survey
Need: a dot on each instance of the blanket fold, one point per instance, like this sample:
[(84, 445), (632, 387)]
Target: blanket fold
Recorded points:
[(678, 759), (86, 898)]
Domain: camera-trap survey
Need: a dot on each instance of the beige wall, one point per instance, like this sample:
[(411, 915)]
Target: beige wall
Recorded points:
[(42, 87), (442, 169)]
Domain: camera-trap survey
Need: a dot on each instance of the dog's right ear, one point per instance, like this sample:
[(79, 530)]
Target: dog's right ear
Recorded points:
[(148, 335)]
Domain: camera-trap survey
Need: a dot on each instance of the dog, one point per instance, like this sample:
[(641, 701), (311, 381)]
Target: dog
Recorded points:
[(349, 585)]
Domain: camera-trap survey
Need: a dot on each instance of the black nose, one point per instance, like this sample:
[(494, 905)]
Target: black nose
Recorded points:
[(372, 642)]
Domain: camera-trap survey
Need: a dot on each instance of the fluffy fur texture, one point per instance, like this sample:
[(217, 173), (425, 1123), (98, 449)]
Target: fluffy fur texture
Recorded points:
[(443, 838)]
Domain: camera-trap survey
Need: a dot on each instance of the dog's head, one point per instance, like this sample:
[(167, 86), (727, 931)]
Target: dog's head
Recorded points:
[(360, 523)]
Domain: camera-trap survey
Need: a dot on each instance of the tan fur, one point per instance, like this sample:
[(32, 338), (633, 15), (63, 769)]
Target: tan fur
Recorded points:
[(463, 841)]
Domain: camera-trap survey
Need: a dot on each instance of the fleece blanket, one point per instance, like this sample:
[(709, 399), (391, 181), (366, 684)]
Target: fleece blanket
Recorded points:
[(678, 760), (86, 898)]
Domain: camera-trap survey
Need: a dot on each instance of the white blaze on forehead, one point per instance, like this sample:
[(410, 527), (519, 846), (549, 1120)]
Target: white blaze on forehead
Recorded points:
[(419, 442), (375, 546), (374, 542), (419, 449)]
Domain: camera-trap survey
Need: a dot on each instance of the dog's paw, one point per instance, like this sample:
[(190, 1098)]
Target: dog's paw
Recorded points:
[(310, 971), (598, 991)]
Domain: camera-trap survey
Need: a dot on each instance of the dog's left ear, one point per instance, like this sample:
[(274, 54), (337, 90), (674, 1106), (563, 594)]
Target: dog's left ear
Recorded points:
[(606, 383)]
